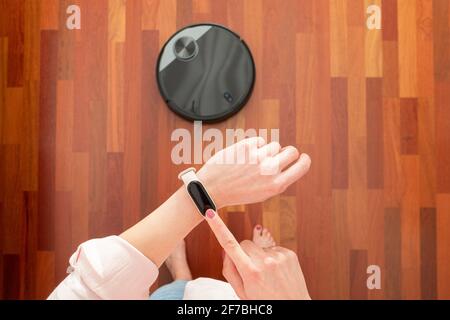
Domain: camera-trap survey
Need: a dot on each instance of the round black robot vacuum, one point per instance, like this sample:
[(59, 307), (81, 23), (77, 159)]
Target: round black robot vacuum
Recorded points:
[(205, 72)]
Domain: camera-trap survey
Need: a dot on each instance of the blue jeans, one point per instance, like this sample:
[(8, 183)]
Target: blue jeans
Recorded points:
[(171, 291)]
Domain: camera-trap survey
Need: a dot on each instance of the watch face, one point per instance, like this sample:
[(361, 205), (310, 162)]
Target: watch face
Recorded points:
[(205, 72), (200, 196)]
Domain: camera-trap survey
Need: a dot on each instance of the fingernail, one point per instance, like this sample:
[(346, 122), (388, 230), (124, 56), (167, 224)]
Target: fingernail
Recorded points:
[(210, 213)]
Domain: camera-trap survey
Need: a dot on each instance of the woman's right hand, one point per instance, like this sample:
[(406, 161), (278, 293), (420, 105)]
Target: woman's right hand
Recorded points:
[(251, 171), (256, 273)]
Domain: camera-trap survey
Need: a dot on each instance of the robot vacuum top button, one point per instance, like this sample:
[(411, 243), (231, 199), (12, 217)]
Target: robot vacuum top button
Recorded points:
[(185, 48)]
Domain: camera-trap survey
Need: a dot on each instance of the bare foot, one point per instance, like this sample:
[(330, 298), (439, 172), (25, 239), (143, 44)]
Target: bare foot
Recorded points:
[(177, 263), (262, 237)]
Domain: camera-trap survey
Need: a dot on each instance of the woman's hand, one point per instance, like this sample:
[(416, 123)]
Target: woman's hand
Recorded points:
[(256, 273), (251, 171)]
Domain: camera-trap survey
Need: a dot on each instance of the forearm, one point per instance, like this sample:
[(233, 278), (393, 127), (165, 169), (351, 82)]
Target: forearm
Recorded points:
[(157, 234)]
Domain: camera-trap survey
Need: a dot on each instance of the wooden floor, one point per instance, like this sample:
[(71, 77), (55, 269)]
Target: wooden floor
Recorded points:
[(85, 137)]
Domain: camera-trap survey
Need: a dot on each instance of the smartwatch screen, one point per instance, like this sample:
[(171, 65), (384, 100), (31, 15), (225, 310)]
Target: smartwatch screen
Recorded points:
[(200, 197)]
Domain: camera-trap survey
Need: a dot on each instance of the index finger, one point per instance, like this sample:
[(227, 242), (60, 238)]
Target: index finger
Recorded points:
[(228, 242)]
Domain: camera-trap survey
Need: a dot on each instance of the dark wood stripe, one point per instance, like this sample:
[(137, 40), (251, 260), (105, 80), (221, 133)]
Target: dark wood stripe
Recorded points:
[(358, 274), (11, 272), (47, 119), (392, 254), (441, 34), (339, 133), (96, 26), (428, 268), (390, 69), (30, 200), (442, 98), (409, 126), (389, 20), (15, 32), (374, 117)]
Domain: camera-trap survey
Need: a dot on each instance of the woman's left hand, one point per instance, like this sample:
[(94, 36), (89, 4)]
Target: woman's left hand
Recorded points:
[(252, 171)]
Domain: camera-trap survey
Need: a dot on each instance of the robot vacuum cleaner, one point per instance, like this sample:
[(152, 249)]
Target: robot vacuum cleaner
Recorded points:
[(205, 72)]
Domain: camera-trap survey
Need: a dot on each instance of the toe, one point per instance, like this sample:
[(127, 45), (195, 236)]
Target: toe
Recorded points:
[(257, 231)]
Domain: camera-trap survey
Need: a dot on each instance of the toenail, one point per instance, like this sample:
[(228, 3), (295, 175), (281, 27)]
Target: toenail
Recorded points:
[(258, 227)]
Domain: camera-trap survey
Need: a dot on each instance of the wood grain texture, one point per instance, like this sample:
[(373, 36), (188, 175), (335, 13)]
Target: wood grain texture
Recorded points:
[(85, 137)]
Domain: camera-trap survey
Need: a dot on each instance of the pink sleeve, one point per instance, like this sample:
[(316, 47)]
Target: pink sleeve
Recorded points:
[(107, 268)]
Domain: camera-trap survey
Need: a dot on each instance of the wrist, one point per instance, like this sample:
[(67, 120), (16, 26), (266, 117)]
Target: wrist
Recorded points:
[(214, 190)]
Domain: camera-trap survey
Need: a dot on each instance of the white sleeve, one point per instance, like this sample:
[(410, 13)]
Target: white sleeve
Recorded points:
[(107, 268)]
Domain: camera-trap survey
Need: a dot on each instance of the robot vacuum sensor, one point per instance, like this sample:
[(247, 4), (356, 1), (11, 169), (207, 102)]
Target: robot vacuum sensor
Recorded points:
[(205, 72)]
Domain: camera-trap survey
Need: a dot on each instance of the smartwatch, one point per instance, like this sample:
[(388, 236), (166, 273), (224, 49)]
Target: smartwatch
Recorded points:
[(197, 192)]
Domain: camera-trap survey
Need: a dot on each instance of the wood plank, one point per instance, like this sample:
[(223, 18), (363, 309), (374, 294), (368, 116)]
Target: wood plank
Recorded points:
[(45, 279), (341, 244), (288, 222), (11, 220), (393, 172), (410, 224), (407, 48), (408, 125), (428, 274), (64, 135), (338, 37), (425, 69), (49, 14), (149, 123), (442, 243), (442, 98), (441, 47), (132, 118), (390, 71), (150, 10), (427, 151), (339, 101), (29, 146), (389, 20), (11, 267), (271, 217), (374, 129), (31, 40), (29, 253), (15, 32), (116, 38), (47, 131), (63, 236), (80, 199), (111, 221), (374, 48), (12, 116), (392, 249), (358, 275)]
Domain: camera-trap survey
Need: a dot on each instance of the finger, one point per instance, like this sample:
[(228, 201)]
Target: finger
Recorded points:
[(257, 141), (294, 172), (286, 157), (268, 150), (233, 277), (228, 241), (247, 150)]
